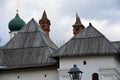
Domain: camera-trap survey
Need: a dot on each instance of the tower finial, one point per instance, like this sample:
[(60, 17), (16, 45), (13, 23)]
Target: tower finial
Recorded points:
[(78, 21), (17, 5), (77, 15), (77, 12)]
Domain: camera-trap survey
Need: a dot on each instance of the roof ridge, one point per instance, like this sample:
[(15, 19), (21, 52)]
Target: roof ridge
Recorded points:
[(112, 44), (88, 37), (49, 40), (34, 28), (24, 48)]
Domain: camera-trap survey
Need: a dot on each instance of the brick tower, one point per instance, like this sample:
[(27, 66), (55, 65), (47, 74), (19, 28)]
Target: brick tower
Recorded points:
[(77, 27), (45, 23)]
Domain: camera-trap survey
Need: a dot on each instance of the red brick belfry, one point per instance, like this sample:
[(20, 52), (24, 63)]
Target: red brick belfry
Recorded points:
[(45, 23), (78, 26)]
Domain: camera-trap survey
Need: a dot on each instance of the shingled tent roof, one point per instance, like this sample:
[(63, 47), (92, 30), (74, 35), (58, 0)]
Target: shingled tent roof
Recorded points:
[(1, 55), (31, 46), (88, 42), (117, 44)]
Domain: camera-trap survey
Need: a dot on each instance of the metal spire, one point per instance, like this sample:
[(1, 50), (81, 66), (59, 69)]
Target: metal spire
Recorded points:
[(78, 21), (76, 12)]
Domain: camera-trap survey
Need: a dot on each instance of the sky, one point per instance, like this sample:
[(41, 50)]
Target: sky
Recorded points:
[(103, 14)]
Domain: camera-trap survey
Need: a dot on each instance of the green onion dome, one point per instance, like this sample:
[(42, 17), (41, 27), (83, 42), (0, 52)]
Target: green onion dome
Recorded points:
[(16, 23)]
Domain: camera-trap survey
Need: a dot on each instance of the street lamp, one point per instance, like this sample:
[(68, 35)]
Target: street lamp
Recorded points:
[(75, 73)]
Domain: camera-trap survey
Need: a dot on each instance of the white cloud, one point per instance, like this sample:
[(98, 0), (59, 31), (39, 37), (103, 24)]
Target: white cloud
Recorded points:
[(103, 14)]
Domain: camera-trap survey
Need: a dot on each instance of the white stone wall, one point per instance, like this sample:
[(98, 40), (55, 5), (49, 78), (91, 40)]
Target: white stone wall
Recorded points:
[(109, 74), (93, 65), (30, 75), (105, 66), (117, 63), (13, 33)]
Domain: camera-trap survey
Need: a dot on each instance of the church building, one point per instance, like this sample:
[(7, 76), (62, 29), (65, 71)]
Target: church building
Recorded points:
[(30, 54)]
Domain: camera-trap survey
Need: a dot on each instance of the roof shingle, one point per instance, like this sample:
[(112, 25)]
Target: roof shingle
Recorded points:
[(88, 42), (30, 46)]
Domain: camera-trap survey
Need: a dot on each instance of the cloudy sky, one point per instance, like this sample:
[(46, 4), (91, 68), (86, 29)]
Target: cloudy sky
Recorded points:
[(103, 14)]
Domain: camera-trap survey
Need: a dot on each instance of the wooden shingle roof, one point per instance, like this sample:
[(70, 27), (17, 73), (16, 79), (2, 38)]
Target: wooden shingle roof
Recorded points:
[(1, 55), (88, 42), (117, 44), (31, 46)]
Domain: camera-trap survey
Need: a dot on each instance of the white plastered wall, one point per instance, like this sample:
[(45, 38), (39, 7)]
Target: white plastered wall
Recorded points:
[(30, 75), (13, 33), (93, 65)]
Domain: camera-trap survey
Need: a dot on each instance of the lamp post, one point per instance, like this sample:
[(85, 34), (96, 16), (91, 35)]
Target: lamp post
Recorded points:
[(75, 73)]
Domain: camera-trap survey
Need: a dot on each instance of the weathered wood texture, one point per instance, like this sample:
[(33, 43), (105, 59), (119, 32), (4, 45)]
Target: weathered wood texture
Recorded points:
[(1, 56), (30, 46), (88, 42), (117, 44), (28, 56)]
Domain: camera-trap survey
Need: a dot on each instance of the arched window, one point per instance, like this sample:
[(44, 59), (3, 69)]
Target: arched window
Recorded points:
[(95, 76)]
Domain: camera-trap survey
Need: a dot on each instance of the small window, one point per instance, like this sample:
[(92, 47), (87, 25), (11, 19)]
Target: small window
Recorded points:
[(18, 77), (45, 75), (95, 76), (84, 62)]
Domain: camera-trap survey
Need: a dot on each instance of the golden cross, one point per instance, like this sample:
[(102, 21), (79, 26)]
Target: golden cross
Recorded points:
[(17, 5)]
